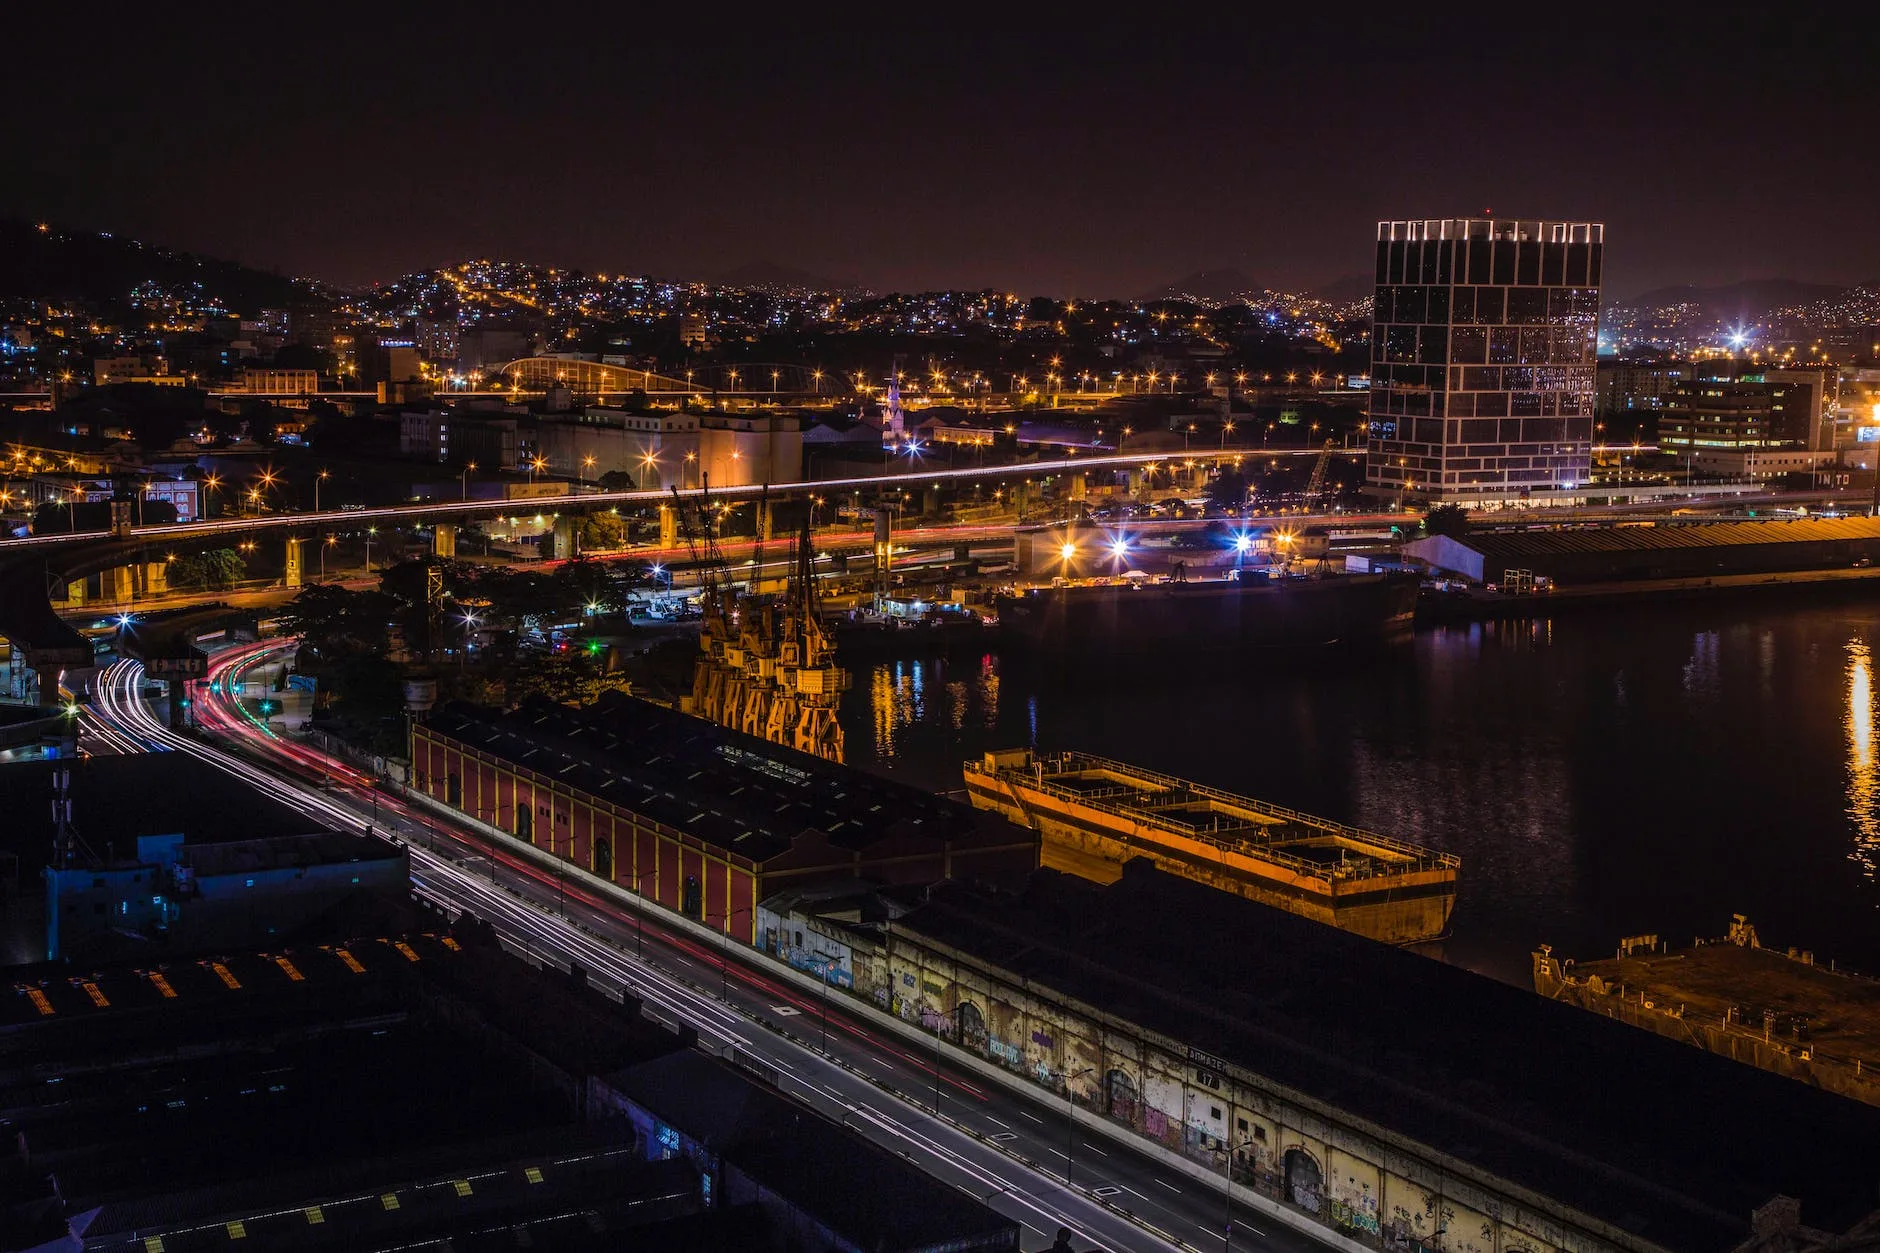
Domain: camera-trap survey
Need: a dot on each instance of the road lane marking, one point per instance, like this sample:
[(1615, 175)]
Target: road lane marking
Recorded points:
[(1171, 1187), (1033, 1117)]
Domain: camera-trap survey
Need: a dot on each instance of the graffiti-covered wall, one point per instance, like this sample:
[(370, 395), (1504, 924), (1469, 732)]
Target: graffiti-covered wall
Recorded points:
[(1354, 1179)]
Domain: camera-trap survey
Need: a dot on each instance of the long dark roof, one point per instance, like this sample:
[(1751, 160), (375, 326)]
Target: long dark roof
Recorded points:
[(1658, 1138), (1671, 535), (744, 794), (863, 1192)]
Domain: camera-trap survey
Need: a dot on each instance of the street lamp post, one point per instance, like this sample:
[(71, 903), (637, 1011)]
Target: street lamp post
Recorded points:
[(952, 1014), (1227, 1225), (370, 532), (318, 479), (469, 622), (824, 1023), (1070, 1119), (463, 479)]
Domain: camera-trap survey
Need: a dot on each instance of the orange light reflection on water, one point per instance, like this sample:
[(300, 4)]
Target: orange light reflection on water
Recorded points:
[(1863, 780)]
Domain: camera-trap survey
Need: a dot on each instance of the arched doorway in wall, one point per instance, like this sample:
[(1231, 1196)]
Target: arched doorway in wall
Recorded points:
[(604, 858), (1123, 1098), (972, 1024), (1304, 1180)]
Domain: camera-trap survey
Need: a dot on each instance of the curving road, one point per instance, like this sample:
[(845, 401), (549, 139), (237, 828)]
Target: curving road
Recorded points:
[(987, 1139)]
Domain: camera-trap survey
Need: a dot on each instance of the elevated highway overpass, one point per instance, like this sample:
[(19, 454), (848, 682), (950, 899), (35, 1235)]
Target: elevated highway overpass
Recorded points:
[(447, 510)]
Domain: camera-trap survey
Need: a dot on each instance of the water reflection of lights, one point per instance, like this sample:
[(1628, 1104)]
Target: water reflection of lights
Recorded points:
[(1863, 781), (898, 697)]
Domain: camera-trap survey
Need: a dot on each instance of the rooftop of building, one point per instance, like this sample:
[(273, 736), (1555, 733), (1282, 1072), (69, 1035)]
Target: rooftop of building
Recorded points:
[(283, 852), (1638, 1131), (745, 795), (263, 1087), (115, 799), (1548, 230), (1512, 544), (887, 1203)]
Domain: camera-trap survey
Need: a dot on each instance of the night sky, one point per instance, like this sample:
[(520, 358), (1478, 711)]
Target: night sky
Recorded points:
[(1041, 157)]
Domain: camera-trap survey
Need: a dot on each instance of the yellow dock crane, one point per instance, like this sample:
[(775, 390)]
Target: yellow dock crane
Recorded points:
[(1316, 483)]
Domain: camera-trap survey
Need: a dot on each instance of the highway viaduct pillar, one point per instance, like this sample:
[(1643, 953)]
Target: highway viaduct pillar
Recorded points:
[(121, 583), (1021, 496), (763, 520), (668, 527), (562, 538), (444, 540), (884, 551), (291, 567), (1080, 485), (930, 501)]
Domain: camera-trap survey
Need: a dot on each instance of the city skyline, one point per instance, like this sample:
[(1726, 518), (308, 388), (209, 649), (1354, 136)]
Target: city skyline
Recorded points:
[(902, 159)]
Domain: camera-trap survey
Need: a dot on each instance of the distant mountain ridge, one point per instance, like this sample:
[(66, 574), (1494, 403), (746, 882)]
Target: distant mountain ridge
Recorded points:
[(95, 267), (770, 274), (1214, 286), (1748, 300), (1231, 286), (1347, 289)]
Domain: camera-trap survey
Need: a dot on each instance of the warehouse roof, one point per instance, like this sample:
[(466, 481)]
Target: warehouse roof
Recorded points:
[(1643, 1132), (744, 794), (885, 1203), (1620, 539)]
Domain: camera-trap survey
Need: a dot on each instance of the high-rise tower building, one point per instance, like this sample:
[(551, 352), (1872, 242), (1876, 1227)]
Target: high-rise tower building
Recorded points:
[(1482, 357)]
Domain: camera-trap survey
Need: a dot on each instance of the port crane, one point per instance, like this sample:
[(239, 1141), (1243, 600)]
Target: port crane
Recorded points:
[(1317, 482), (766, 664)]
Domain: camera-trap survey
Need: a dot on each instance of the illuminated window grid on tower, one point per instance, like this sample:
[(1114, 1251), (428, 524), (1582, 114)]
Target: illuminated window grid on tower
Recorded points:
[(1482, 355)]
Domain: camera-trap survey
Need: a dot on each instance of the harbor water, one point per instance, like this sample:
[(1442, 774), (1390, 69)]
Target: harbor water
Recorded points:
[(1653, 769)]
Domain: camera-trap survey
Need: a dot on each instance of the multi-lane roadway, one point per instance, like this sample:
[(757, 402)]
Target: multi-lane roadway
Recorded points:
[(988, 1138)]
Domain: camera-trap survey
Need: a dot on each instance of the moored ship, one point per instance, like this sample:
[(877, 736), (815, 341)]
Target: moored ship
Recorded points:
[(1093, 814), (1125, 616), (1776, 1009)]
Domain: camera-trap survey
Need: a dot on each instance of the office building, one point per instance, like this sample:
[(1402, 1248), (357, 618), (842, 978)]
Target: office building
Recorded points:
[(480, 347), (1482, 358), (1756, 424), (745, 449), (281, 382), (1631, 389), (656, 450), (385, 360)]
